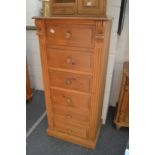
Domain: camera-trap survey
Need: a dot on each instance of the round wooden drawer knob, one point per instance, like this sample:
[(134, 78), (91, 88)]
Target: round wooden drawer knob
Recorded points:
[(69, 116), (68, 60), (52, 30), (69, 101), (68, 82), (68, 35), (70, 131)]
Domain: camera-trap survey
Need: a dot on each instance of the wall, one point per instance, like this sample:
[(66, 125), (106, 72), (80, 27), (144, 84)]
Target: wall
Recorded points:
[(33, 60), (33, 57), (113, 10), (122, 54), (32, 9), (32, 46)]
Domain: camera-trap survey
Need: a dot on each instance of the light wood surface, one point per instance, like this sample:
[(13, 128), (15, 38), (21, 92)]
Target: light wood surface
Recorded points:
[(63, 8), (122, 113), (70, 99), (96, 7), (74, 61), (74, 7), (70, 129), (85, 18), (81, 115), (71, 60), (70, 81), (76, 121), (69, 34)]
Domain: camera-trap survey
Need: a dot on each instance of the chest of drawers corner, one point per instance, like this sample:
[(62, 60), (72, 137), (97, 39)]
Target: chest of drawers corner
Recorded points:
[(122, 109), (74, 53)]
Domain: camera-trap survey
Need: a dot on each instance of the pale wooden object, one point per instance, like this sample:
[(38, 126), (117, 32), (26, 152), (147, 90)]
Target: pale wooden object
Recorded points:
[(28, 86), (74, 54), (122, 113), (74, 7)]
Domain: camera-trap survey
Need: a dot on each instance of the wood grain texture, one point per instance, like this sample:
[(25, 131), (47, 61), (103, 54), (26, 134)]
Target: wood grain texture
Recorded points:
[(70, 129), (70, 81), (69, 34), (122, 112), (74, 74), (74, 121), (101, 57), (63, 9), (42, 42), (71, 60), (74, 7), (72, 113), (70, 99), (92, 7), (85, 18)]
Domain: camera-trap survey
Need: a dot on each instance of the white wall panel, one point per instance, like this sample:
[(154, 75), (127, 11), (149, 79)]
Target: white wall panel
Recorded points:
[(122, 55), (32, 9)]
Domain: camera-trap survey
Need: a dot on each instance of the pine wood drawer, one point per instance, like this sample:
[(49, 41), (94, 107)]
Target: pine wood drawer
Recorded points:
[(70, 99), (91, 7), (63, 8), (80, 115), (81, 61), (70, 80), (84, 124), (70, 129), (67, 34)]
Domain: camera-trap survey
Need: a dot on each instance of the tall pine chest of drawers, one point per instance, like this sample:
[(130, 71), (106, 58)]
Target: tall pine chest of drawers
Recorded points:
[(74, 53)]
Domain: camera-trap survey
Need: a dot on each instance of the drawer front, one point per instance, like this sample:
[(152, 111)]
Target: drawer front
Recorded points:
[(70, 81), (66, 34), (91, 7), (72, 114), (63, 9), (70, 129), (84, 124), (80, 61), (68, 99)]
